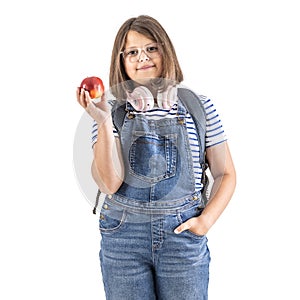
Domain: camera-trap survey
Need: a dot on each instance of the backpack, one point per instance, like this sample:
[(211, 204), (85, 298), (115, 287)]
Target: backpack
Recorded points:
[(193, 104)]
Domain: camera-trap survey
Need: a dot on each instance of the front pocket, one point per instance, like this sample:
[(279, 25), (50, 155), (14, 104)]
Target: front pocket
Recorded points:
[(111, 218), (153, 157), (192, 212)]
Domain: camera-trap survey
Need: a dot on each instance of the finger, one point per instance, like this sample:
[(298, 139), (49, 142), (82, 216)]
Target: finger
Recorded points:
[(85, 98), (78, 94), (184, 226), (80, 98)]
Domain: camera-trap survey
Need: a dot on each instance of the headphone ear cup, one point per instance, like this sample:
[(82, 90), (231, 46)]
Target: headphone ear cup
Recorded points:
[(141, 99), (167, 98)]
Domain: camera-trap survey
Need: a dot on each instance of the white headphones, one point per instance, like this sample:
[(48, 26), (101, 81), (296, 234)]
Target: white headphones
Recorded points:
[(142, 99)]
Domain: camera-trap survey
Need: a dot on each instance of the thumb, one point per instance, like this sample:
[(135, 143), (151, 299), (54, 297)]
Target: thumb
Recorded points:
[(184, 226)]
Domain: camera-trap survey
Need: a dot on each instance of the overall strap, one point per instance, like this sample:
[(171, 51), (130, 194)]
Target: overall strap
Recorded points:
[(191, 101)]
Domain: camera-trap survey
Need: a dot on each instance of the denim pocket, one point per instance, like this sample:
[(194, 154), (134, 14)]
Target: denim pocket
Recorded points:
[(192, 212), (153, 157), (111, 218)]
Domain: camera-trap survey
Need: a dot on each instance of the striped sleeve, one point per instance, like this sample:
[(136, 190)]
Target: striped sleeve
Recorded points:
[(95, 128), (215, 133), (95, 133)]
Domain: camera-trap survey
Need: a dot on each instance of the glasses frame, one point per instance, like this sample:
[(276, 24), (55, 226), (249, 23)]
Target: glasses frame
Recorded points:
[(140, 50)]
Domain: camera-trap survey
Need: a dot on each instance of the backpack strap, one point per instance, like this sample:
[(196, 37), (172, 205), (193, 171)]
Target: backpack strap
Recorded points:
[(119, 111), (195, 107), (97, 201)]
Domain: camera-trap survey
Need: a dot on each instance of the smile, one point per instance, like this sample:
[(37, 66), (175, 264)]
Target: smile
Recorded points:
[(145, 67)]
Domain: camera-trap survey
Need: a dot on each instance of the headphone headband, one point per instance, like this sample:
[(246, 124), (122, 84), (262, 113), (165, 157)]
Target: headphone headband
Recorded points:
[(142, 99)]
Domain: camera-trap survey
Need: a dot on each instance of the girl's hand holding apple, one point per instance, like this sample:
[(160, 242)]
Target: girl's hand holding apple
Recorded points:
[(92, 88)]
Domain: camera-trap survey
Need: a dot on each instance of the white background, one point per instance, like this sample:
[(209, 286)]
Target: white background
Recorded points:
[(242, 54)]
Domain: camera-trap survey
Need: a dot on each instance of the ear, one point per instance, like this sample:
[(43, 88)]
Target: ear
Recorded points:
[(167, 98), (141, 99)]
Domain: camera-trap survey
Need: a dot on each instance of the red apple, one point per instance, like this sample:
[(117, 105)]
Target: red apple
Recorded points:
[(93, 85)]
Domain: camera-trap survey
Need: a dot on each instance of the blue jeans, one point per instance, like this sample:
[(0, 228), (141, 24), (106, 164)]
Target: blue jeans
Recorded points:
[(143, 259)]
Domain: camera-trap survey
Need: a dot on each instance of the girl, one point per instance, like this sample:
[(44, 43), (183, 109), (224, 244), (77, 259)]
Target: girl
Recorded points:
[(154, 219)]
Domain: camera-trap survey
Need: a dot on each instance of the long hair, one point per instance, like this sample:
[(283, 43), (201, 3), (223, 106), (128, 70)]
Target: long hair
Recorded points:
[(152, 29)]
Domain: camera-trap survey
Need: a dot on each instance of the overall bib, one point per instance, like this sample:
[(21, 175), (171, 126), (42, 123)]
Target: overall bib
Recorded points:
[(141, 256)]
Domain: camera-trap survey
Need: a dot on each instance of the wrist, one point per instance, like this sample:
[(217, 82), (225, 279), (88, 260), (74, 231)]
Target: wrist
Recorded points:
[(105, 124), (207, 220)]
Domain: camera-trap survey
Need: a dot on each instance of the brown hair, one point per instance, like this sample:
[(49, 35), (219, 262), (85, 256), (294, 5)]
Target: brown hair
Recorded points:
[(152, 29)]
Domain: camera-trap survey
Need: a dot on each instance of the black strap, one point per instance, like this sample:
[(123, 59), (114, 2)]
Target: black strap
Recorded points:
[(97, 202), (118, 115)]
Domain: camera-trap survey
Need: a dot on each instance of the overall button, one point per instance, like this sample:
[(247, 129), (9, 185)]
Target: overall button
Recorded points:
[(109, 196), (195, 197), (105, 206)]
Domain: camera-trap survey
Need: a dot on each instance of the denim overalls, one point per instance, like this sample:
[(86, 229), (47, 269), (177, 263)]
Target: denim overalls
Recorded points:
[(141, 256)]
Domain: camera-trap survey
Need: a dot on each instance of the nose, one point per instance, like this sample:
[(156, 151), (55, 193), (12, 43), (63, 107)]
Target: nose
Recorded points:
[(143, 56)]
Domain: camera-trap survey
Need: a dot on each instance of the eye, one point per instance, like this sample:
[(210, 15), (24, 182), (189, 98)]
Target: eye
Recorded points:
[(131, 52), (152, 48)]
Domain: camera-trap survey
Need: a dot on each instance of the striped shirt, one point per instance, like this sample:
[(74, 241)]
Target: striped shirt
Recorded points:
[(214, 131)]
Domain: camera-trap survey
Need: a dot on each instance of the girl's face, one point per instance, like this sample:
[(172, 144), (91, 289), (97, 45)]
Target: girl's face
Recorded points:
[(142, 58)]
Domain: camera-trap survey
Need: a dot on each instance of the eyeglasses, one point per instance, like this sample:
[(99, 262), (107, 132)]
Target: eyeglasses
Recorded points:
[(133, 54)]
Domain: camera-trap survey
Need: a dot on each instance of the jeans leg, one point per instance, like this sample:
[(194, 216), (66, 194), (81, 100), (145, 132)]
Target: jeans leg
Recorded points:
[(182, 265), (126, 265)]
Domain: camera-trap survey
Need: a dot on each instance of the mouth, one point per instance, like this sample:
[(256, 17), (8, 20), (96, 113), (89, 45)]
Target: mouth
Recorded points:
[(145, 67)]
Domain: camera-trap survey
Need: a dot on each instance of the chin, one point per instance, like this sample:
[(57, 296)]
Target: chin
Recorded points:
[(145, 80)]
